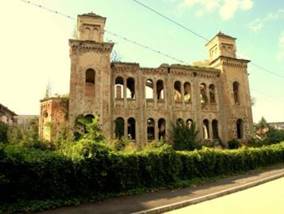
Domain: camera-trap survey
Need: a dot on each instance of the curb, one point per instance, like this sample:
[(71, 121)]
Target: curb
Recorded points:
[(211, 196)]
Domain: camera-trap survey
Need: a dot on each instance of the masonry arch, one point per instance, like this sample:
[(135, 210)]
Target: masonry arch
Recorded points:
[(215, 129), (205, 129), (130, 85), (203, 94), (189, 123), (236, 92), (131, 128), (187, 92), (149, 89), (150, 129), (212, 94), (119, 88), (177, 90), (119, 127), (179, 122), (240, 128), (160, 90), (90, 76), (162, 129)]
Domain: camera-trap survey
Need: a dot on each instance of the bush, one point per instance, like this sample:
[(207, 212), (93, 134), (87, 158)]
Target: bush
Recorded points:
[(88, 169), (234, 144), (185, 137)]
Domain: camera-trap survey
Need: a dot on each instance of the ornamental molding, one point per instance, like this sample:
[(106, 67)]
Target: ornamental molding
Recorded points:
[(78, 46)]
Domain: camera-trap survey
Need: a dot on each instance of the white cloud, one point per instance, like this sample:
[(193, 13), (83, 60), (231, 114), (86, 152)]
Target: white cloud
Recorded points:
[(246, 4), (280, 55), (226, 8), (259, 23)]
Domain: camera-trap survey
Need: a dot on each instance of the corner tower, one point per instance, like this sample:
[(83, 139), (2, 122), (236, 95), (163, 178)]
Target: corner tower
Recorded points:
[(236, 101), (90, 77)]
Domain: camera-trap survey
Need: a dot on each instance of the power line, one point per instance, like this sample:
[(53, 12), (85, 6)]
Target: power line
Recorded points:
[(266, 70), (140, 44), (194, 33), (107, 31), (171, 20)]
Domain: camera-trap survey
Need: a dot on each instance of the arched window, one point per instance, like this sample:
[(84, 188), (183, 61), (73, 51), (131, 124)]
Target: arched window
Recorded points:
[(130, 84), (88, 33), (179, 122), (212, 96), (205, 129), (89, 118), (149, 89), (236, 92), (90, 76), (189, 123), (119, 128), (160, 90), (215, 129), (239, 126), (150, 129), (118, 88), (162, 129), (203, 94), (177, 95), (131, 128), (187, 92)]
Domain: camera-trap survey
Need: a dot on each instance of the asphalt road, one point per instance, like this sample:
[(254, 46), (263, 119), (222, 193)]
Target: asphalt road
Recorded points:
[(267, 198)]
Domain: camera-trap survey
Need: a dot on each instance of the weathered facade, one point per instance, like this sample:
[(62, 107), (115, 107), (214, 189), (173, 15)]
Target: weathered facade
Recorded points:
[(146, 101)]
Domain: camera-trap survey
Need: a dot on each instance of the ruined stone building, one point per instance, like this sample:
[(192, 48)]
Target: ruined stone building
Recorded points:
[(142, 103), (7, 116)]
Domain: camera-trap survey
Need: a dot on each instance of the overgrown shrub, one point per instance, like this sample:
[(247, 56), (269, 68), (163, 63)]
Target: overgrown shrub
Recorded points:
[(89, 168), (234, 144), (185, 137)]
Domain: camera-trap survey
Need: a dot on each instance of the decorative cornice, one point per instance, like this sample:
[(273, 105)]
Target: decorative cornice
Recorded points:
[(231, 61), (87, 46)]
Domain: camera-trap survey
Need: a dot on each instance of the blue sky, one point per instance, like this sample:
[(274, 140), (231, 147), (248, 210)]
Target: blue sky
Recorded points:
[(34, 43)]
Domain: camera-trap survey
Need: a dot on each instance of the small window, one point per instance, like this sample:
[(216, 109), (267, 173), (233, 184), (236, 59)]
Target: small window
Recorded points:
[(236, 92), (90, 76)]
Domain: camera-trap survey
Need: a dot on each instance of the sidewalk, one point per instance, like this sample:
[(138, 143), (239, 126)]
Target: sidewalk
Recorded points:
[(166, 200)]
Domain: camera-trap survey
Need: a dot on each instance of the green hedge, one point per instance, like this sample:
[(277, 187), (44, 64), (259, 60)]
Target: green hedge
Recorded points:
[(30, 174)]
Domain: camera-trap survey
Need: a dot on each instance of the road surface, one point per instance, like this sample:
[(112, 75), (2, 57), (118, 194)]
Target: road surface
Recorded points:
[(267, 198)]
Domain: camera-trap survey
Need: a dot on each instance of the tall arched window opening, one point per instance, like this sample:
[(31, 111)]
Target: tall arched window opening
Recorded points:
[(160, 90), (162, 129), (90, 76), (131, 128), (119, 128), (203, 94), (118, 88), (177, 94), (236, 88), (212, 96), (187, 92), (215, 129), (205, 129), (149, 89), (189, 123), (240, 131), (150, 129), (130, 84)]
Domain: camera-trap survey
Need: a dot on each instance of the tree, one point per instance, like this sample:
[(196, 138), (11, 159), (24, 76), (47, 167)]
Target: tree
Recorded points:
[(185, 137), (88, 128), (262, 127), (3, 132)]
